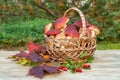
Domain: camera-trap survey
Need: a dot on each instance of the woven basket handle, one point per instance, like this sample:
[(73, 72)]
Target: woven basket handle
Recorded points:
[(82, 18)]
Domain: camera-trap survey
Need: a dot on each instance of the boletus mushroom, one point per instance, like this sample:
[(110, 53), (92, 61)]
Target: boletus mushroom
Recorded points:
[(78, 23), (73, 33), (47, 27), (71, 27), (94, 28), (53, 32), (60, 22)]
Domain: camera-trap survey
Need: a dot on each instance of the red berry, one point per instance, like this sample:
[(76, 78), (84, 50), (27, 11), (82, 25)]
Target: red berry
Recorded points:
[(61, 67), (78, 70), (86, 66), (65, 69)]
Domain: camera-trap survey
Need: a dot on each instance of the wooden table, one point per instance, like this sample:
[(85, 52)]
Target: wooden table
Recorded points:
[(106, 66)]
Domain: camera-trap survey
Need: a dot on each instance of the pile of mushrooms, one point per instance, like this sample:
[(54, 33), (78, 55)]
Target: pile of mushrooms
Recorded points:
[(61, 30)]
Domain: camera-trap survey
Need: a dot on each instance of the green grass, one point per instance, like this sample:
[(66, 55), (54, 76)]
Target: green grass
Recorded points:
[(108, 46), (23, 31)]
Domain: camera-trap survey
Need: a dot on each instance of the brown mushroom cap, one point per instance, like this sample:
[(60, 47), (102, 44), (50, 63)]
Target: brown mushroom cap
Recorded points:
[(71, 26), (53, 32), (94, 28), (47, 27), (60, 22), (78, 23), (73, 33)]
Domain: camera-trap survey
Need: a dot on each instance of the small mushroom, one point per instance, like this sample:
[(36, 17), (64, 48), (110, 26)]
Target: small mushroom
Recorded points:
[(78, 23), (94, 28), (47, 27), (93, 34), (60, 22), (53, 32)]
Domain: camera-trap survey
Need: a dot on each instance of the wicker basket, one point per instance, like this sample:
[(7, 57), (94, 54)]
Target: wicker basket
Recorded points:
[(62, 49)]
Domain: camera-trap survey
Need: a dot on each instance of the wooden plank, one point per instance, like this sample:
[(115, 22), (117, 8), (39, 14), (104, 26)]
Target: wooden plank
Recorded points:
[(106, 66)]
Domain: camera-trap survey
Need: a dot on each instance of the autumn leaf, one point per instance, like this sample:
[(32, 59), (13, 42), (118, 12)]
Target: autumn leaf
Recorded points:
[(32, 57), (34, 48), (36, 58), (22, 54), (40, 70), (37, 71)]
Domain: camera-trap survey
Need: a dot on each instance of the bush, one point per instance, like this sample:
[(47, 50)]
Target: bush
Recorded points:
[(22, 32)]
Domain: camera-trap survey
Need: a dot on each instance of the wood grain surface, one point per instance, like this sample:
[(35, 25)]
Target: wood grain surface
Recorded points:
[(106, 66)]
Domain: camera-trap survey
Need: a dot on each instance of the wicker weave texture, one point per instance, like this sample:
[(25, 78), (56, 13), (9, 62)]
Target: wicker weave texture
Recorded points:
[(60, 50)]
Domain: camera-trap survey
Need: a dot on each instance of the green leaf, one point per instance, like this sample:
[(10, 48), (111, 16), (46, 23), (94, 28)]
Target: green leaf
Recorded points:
[(83, 54), (35, 63), (68, 61), (90, 59), (24, 61), (80, 64)]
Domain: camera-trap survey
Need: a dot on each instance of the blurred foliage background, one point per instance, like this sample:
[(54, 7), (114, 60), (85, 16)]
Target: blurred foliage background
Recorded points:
[(23, 20)]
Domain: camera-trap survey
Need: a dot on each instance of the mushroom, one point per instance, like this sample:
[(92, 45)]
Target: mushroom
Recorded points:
[(60, 36), (52, 32), (60, 22), (71, 26), (47, 27), (93, 34), (68, 37), (89, 32), (94, 28), (78, 23), (73, 33)]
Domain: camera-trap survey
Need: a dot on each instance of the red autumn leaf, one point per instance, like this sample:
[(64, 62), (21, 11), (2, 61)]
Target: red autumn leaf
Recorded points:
[(36, 58), (60, 22), (53, 32), (37, 71), (34, 48), (33, 57), (50, 69), (78, 23), (40, 70), (22, 54)]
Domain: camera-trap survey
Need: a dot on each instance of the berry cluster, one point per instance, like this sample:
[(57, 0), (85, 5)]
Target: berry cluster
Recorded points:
[(75, 68)]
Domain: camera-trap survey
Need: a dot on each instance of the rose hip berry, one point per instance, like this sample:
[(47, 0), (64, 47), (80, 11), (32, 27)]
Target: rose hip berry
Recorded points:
[(78, 70), (86, 66), (64, 68)]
